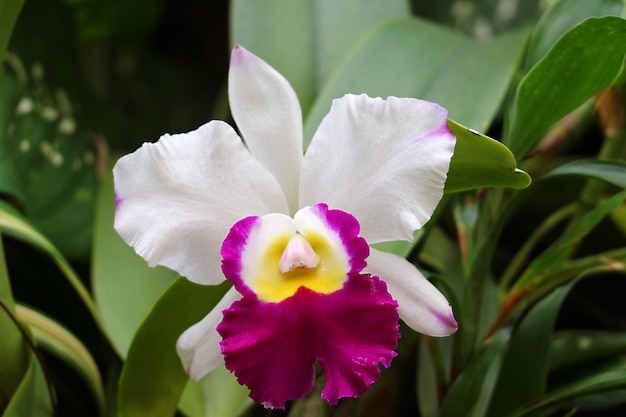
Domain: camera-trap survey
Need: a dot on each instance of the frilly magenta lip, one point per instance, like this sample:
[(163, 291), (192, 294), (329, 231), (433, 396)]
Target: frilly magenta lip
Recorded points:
[(272, 347)]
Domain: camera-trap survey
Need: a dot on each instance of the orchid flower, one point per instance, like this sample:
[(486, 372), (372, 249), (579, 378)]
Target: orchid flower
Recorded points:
[(292, 231)]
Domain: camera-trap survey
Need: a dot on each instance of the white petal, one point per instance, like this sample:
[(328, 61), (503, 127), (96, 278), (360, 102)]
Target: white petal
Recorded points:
[(199, 346), (383, 161), (178, 198), (421, 305), (267, 112)]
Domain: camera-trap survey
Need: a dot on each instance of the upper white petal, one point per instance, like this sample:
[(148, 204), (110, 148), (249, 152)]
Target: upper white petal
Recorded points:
[(383, 161), (421, 305), (199, 346), (178, 198), (267, 112)]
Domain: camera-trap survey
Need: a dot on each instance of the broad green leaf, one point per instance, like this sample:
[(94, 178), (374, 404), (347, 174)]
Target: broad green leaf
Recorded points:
[(282, 33), (613, 172), (476, 380), (125, 288), (400, 58), (335, 38), (581, 63), (474, 82), (45, 136), (12, 346), (48, 162), (520, 379), (14, 224), (53, 337), (9, 11), (563, 16), (32, 398), (563, 248), (223, 395), (312, 37), (480, 161), (153, 378), (217, 394)]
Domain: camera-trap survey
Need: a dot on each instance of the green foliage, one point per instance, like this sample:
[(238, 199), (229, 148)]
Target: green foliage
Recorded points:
[(480, 161), (579, 65), (149, 390), (521, 380), (11, 344), (9, 10), (83, 74), (32, 398), (125, 288), (465, 76), (312, 31)]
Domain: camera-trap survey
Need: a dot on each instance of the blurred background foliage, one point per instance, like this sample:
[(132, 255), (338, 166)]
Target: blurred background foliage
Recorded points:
[(85, 81)]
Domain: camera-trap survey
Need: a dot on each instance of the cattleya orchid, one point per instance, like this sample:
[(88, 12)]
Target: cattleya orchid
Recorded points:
[(292, 232)]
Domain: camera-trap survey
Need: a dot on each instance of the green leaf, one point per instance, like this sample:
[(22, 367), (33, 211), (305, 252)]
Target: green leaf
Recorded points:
[(335, 39), (9, 11), (288, 46), (232, 400), (427, 383), (476, 383), (125, 288), (32, 398), (55, 338), (149, 390), (522, 380), (606, 381), (312, 37), (563, 248), (576, 348), (14, 224), (48, 162), (613, 172), (581, 63), (400, 58), (12, 347), (480, 161), (563, 16)]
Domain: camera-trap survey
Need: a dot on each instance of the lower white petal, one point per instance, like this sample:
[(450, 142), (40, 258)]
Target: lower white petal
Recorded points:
[(383, 161), (421, 305), (177, 198), (199, 346)]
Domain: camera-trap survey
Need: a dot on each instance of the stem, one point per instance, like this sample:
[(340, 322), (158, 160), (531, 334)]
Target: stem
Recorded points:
[(524, 252), (493, 214), (613, 147)]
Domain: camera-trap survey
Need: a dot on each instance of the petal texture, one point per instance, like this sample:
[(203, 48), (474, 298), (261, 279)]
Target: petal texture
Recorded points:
[(199, 346), (177, 198), (384, 161), (272, 347), (421, 305), (267, 112)]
